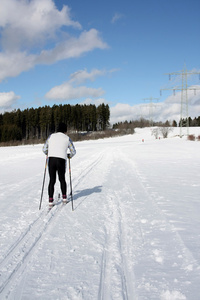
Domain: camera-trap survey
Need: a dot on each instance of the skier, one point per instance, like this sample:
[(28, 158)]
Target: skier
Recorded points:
[(56, 148)]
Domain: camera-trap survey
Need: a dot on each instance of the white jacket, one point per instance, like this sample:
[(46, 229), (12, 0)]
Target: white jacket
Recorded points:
[(57, 145)]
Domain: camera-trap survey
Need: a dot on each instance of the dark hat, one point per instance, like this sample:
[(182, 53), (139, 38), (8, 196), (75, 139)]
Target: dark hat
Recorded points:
[(62, 127)]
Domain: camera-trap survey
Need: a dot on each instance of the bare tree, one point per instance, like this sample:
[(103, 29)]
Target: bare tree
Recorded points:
[(165, 131)]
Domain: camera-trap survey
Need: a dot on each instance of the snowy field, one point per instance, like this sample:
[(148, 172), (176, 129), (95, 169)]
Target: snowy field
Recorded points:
[(134, 232)]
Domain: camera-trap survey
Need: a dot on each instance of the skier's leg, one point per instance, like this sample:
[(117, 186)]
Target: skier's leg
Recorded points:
[(52, 175), (61, 176)]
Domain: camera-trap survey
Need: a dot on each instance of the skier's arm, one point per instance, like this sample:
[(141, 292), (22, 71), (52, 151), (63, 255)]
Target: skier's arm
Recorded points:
[(45, 147), (71, 149)]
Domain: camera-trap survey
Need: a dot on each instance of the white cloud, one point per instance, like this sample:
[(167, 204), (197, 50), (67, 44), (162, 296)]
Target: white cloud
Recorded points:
[(124, 112), (72, 47), (30, 22), (116, 17), (34, 32), (66, 91), (8, 99), (71, 89), (169, 110), (12, 64), (82, 75)]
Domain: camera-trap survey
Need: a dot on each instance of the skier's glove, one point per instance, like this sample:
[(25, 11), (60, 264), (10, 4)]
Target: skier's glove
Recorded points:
[(68, 156)]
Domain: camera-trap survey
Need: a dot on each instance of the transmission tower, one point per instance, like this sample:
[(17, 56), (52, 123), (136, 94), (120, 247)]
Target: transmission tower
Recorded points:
[(184, 117), (151, 106)]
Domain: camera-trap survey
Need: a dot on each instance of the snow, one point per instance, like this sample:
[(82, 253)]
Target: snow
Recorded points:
[(134, 232)]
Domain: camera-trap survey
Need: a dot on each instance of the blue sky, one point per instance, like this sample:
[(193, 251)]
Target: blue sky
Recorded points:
[(116, 52)]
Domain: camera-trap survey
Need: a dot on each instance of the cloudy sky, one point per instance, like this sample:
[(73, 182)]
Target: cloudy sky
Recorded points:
[(113, 52)]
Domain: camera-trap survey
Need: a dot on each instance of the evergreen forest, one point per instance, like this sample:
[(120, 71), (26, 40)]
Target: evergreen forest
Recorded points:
[(39, 123)]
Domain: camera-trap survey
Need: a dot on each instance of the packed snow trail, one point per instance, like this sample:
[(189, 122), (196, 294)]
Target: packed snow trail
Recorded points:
[(133, 234), (14, 261)]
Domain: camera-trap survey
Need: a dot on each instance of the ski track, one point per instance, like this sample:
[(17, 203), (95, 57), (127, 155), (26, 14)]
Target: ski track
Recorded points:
[(17, 256), (16, 259), (117, 278), (27, 183), (138, 254), (85, 172), (165, 250)]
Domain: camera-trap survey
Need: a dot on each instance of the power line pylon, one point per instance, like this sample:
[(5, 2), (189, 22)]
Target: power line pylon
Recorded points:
[(184, 116), (151, 106)]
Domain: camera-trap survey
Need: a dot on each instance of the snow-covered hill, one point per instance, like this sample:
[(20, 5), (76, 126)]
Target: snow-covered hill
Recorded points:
[(134, 233)]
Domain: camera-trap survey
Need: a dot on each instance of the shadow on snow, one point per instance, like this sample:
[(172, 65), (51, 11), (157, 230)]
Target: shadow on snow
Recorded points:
[(85, 193)]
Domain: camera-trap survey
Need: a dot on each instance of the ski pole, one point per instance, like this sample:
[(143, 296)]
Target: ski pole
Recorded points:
[(70, 184), (43, 182)]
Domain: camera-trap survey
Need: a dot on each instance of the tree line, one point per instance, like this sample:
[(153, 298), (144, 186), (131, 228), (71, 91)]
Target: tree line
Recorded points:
[(129, 126), (191, 122), (39, 123)]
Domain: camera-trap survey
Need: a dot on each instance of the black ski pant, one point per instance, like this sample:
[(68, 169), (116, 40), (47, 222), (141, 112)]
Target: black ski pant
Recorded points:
[(57, 165)]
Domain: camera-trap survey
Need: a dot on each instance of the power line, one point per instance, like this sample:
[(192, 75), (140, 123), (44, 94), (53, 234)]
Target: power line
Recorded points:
[(184, 95), (151, 106)]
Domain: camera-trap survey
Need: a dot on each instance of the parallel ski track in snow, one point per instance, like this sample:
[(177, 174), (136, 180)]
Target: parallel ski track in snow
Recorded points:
[(83, 175), (151, 196), (160, 250), (14, 262), (117, 275), (87, 170), (18, 255), (118, 279)]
